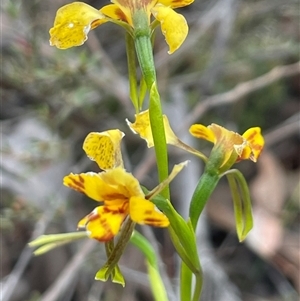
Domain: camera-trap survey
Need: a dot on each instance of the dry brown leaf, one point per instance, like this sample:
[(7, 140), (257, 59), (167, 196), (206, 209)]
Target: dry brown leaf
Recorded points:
[(268, 192), (268, 189), (266, 235)]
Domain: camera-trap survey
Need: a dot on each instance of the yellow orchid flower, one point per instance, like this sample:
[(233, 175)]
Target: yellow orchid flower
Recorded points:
[(121, 196), (74, 21), (229, 146), (118, 191)]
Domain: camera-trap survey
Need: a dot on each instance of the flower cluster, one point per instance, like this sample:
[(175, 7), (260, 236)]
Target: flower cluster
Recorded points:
[(122, 201)]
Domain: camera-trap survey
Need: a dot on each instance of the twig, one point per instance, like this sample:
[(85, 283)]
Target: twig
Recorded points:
[(200, 28), (70, 272), (40, 227), (114, 83), (67, 276), (241, 90), (283, 131), (220, 46), (24, 259)]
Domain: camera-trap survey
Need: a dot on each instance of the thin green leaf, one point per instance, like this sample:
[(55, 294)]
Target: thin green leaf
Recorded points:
[(52, 238), (142, 92), (156, 282), (131, 62), (241, 203)]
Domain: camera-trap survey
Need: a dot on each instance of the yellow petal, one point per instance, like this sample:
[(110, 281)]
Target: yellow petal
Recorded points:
[(104, 148), (113, 185), (102, 224), (225, 137), (175, 3), (170, 135), (144, 212), (173, 26), (125, 7), (72, 24), (120, 184), (202, 132), (117, 205), (142, 127), (255, 142), (116, 13), (90, 184)]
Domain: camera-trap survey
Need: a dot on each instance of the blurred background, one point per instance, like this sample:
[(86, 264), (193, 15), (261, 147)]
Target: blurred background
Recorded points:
[(238, 68)]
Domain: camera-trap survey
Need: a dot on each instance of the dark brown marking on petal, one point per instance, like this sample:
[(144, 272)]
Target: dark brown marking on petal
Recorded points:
[(116, 196), (154, 222), (125, 207), (96, 23), (251, 137), (76, 188), (121, 209), (108, 233), (79, 184), (81, 178), (106, 209), (256, 147), (201, 133), (92, 216), (121, 15)]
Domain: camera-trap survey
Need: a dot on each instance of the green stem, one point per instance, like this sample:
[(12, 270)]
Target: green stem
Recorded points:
[(159, 138), (118, 250), (145, 57), (143, 45), (185, 283), (204, 189)]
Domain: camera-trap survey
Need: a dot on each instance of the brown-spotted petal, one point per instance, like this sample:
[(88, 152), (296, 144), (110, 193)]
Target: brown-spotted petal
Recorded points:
[(102, 224), (144, 212), (104, 148)]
